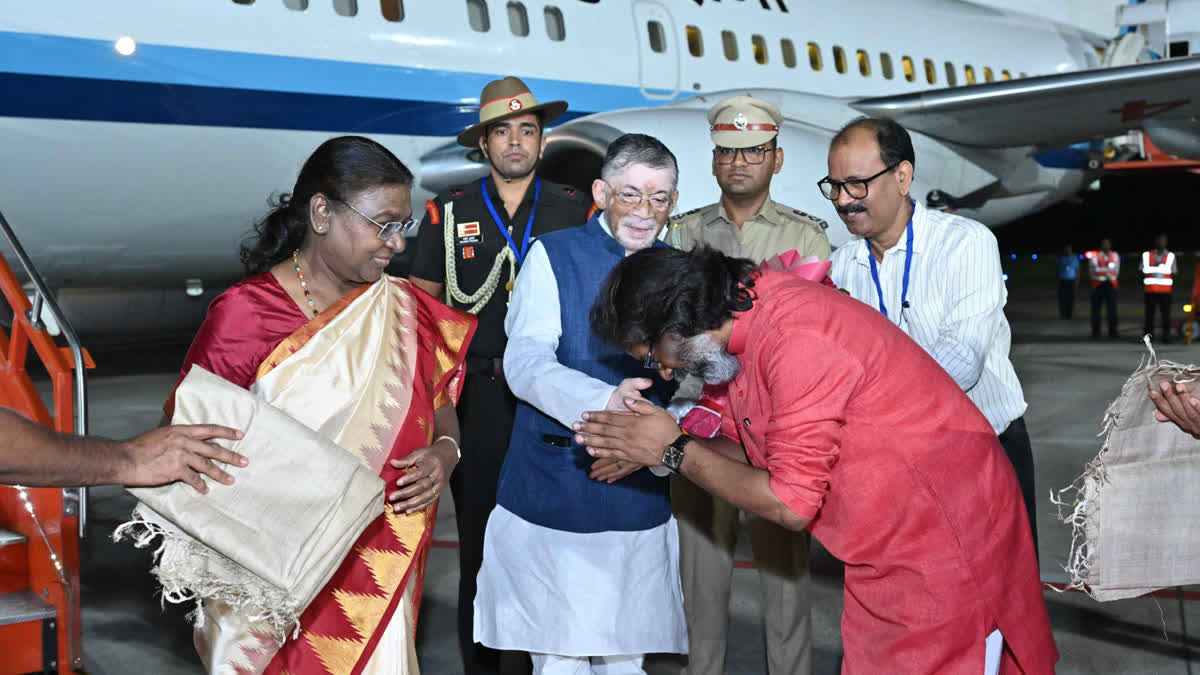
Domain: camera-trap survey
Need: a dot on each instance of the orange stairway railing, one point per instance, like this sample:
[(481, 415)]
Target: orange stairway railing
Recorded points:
[(59, 515)]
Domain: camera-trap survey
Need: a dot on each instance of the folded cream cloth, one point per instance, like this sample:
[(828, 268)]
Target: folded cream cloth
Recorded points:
[(1136, 509), (267, 544)]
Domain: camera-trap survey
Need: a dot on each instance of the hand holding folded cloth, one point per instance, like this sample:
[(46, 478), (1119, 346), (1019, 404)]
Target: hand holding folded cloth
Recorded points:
[(268, 543)]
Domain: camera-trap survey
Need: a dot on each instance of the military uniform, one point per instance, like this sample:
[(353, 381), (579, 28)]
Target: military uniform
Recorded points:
[(486, 408), (707, 524), (773, 230)]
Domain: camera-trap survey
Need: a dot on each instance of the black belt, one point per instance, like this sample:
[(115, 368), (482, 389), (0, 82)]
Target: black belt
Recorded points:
[(492, 366)]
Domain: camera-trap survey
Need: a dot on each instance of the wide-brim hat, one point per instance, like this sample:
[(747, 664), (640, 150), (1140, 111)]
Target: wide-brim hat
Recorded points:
[(506, 98)]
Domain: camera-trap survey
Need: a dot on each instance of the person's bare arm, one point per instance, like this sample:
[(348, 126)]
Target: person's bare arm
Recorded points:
[(431, 287), (717, 465), (31, 454), (427, 469)]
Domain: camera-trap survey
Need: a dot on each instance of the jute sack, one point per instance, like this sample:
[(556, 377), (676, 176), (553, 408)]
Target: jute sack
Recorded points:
[(1135, 510), (267, 544)]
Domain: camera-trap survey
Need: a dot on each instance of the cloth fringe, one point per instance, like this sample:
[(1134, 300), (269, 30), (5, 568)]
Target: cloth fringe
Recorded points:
[(189, 571), (1082, 496)]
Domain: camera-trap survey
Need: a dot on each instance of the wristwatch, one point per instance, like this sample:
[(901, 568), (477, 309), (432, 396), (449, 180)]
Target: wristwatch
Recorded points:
[(672, 457)]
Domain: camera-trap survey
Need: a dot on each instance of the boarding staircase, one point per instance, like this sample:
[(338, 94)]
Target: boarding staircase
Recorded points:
[(40, 528)]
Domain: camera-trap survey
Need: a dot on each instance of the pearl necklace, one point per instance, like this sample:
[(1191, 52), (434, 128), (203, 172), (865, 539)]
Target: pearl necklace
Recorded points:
[(304, 284)]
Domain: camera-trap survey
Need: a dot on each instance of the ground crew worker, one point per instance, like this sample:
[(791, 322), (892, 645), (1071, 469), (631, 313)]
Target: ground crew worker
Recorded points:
[(472, 241), (745, 223), (1158, 277), (1104, 266)]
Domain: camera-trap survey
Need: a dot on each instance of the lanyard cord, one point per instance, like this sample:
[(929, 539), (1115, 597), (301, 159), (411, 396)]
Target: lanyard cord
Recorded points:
[(487, 199), (908, 237)]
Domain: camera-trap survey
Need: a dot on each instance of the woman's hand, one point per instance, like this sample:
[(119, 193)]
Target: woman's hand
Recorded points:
[(426, 471)]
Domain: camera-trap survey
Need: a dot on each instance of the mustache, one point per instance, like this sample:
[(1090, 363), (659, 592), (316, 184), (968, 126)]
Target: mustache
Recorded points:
[(853, 207)]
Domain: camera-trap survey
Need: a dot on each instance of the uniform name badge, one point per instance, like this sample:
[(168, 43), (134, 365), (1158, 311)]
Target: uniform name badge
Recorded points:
[(469, 233)]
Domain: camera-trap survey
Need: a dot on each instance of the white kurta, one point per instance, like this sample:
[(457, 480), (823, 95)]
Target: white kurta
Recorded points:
[(556, 592)]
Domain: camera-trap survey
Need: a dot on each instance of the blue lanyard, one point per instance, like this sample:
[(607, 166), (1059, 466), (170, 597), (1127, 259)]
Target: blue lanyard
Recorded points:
[(487, 199), (908, 237)]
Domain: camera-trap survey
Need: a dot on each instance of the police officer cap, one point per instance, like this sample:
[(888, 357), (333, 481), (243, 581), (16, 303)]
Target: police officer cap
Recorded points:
[(743, 122)]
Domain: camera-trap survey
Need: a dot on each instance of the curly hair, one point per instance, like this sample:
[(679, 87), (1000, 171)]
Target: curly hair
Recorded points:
[(339, 168), (663, 290)]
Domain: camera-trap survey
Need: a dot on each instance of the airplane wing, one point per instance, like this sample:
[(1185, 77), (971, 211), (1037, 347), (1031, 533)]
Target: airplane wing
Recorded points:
[(1162, 98)]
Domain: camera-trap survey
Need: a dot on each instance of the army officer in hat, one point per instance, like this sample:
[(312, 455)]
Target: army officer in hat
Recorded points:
[(746, 223), (472, 241)]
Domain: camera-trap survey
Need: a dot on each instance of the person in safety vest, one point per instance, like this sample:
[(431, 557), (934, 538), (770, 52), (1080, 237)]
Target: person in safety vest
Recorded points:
[(1105, 267), (1158, 276)]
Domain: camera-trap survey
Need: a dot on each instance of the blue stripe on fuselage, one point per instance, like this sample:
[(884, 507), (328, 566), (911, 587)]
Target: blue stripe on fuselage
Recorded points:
[(1071, 157), (59, 77)]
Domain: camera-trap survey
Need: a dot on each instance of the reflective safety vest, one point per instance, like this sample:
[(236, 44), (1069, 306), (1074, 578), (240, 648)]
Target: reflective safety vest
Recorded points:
[(1157, 271), (1104, 267)]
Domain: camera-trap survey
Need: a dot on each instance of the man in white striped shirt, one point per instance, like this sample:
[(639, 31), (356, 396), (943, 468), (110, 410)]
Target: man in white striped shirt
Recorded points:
[(937, 276)]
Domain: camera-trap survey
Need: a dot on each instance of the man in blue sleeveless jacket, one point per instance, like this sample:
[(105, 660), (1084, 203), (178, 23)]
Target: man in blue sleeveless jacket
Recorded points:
[(580, 563)]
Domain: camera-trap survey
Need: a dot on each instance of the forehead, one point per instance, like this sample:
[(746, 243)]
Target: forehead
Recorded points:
[(528, 119), (857, 150), (645, 178), (393, 198)]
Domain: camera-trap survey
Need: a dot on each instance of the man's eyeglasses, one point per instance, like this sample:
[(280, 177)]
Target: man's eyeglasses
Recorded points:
[(386, 230), (650, 363), (855, 187), (633, 199), (755, 155)]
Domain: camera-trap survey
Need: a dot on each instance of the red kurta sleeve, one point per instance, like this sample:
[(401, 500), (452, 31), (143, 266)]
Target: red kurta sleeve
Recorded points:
[(809, 382)]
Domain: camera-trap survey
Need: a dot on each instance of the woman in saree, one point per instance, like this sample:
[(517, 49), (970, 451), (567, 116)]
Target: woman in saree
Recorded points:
[(368, 361)]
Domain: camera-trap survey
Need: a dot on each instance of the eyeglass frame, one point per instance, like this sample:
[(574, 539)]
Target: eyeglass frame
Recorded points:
[(641, 198), (736, 151), (401, 227), (841, 184)]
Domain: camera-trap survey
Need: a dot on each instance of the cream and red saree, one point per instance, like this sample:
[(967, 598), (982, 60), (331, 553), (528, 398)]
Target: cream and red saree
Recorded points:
[(367, 373)]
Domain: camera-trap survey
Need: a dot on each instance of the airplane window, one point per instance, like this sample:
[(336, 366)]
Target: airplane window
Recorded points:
[(1024, 74), (345, 7), (760, 49), (970, 71), (839, 59), (658, 37), (930, 72), (477, 14), (864, 64), (555, 28), (393, 10), (1005, 75), (243, 2), (298, 5), (814, 56), (987, 74), (1178, 48), (909, 73), (695, 41), (885, 64), (951, 76), (729, 42), (518, 19), (789, 52)]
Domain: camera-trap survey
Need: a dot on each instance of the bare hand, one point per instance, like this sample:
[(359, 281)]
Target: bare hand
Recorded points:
[(426, 471), (180, 452), (611, 470), (629, 388), (639, 435), (1176, 405)]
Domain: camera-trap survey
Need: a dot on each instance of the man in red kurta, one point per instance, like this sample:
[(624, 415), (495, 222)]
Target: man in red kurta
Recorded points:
[(850, 430)]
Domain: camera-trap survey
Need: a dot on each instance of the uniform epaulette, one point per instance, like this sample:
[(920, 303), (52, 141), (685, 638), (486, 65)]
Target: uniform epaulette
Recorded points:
[(819, 221), (455, 193), (431, 210), (685, 214)]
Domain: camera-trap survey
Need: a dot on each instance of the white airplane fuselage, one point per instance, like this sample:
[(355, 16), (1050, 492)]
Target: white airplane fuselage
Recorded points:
[(148, 169)]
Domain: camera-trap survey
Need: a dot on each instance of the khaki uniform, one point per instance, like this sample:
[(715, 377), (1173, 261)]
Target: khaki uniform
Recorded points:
[(708, 524), (776, 229)]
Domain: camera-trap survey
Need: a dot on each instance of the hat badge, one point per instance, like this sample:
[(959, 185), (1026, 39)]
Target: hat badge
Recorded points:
[(739, 122), (514, 104)]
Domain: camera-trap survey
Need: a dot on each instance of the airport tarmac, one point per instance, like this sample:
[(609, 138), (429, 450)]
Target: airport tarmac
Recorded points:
[(1068, 379)]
